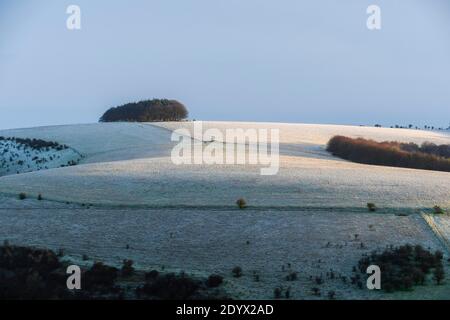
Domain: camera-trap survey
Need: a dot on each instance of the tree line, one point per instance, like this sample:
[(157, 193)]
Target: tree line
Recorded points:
[(37, 144), (391, 153)]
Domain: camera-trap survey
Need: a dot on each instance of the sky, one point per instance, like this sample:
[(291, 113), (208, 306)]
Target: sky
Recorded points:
[(254, 60)]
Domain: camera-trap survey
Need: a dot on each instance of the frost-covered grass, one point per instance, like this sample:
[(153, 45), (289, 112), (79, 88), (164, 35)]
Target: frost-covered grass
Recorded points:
[(272, 243), (308, 176), (185, 217), (320, 134), (301, 182)]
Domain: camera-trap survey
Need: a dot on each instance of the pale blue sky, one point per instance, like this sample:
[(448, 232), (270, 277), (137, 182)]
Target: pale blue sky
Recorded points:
[(255, 60)]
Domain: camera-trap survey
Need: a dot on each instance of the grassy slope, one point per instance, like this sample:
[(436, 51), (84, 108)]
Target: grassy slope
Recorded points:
[(308, 177)]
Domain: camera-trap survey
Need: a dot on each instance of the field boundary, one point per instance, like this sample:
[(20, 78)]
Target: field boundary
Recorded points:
[(429, 219)]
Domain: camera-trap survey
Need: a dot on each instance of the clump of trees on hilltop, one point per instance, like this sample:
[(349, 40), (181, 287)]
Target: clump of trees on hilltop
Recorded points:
[(391, 153), (147, 111)]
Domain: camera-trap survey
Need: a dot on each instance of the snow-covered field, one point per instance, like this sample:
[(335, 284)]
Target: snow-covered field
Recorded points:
[(184, 217), (18, 158)]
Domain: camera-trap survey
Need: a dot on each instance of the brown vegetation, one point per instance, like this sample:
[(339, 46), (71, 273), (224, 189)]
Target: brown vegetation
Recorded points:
[(241, 203), (427, 157)]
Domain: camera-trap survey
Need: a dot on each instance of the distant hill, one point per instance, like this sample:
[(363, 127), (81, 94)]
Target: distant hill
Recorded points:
[(147, 111)]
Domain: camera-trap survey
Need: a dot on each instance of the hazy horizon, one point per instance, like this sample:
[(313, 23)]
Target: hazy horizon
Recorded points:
[(296, 61)]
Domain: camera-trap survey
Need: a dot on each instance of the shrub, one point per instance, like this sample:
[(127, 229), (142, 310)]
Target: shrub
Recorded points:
[(151, 275), (316, 291), (237, 272), (331, 295), (292, 276), (127, 268), (22, 196), (39, 197), (372, 207), (171, 287), (241, 203), (389, 153), (318, 280), (147, 111), (214, 280), (277, 293), (287, 293), (438, 274), (438, 210), (100, 276)]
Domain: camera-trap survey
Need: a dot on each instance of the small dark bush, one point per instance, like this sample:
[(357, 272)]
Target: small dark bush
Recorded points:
[(241, 203), (171, 287), (438, 210), (371, 206), (292, 276), (214, 280), (22, 196), (127, 268), (316, 291), (277, 293), (100, 276), (39, 197), (438, 275), (237, 272), (287, 293), (151, 275), (331, 295), (60, 252)]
